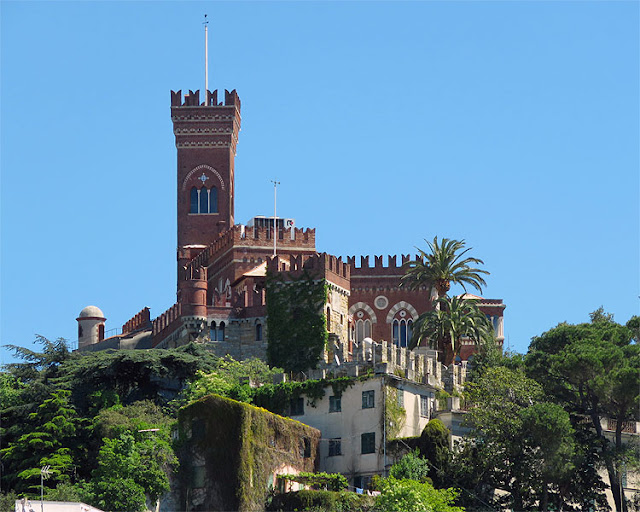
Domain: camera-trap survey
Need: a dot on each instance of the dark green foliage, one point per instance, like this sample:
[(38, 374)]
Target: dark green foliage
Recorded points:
[(434, 446), (50, 433), (8, 501), (524, 443), (591, 370), (321, 501), (296, 323), (132, 375)]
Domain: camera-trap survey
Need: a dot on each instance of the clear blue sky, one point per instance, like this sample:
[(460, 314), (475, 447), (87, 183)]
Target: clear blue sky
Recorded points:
[(512, 125)]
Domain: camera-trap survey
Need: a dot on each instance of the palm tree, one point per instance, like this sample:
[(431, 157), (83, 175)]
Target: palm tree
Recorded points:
[(444, 264), (453, 319)]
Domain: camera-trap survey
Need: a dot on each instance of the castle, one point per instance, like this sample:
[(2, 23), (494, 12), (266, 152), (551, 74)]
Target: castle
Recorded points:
[(222, 265)]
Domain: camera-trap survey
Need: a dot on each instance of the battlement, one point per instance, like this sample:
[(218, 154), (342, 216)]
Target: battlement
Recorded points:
[(379, 268), (242, 236), (194, 272), (141, 320), (166, 319), (332, 268), (192, 99)]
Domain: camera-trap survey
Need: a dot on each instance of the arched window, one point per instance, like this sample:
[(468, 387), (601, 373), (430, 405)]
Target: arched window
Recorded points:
[(194, 200), (212, 331), (213, 200), (258, 331), (221, 332), (100, 332), (367, 328), (401, 332), (204, 200), (359, 331)]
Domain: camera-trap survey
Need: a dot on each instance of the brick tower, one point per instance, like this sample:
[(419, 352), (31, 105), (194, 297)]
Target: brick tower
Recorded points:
[(206, 138)]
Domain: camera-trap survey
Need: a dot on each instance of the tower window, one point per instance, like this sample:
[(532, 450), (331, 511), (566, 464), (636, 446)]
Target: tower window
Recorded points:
[(79, 331), (213, 200), (258, 332), (100, 332), (194, 200), (203, 200)]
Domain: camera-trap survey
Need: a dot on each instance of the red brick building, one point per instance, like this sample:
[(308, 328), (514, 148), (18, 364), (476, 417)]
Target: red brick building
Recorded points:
[(221, 265)]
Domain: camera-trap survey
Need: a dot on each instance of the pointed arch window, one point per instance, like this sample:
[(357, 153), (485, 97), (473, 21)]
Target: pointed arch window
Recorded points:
[(213, 332), (221, 332), (401, 332)]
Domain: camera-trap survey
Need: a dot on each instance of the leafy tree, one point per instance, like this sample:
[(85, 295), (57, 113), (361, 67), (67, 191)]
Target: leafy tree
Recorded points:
[(445, 326), (445, 263), (413, 496), (411, 467), (296, 323), (126, 472), (434, 445), (592, 371), (525, 442), (50, 434), (225, 379)]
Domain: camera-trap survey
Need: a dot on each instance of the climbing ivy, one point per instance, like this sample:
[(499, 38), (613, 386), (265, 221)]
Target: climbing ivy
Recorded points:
[(276, 398), (395, 416), (296, 323)]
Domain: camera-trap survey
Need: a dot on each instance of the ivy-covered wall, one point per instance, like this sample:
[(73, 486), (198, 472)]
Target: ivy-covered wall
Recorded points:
[(230, 450), (297, 327)]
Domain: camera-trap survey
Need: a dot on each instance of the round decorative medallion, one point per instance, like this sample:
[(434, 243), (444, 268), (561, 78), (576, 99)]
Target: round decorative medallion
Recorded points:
[(359, 314), (403, 313), (381, 302)]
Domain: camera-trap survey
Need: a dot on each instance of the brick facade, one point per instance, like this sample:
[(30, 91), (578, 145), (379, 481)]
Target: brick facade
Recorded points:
[(222, 265)]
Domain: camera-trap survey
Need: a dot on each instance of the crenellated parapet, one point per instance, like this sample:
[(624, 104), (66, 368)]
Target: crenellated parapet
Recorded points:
[(322, 265), (192, 99), (392, 268), (254, 237), (141, 320), (167, 321), (208, 124)]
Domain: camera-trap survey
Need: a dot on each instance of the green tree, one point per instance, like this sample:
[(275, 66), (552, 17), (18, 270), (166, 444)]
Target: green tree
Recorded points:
[(297, 331), (411, 467), (591, 369), (434, 445), (48, 442), (444, 327), (126, 472), (445, 263), (525, 442), (413, 496)]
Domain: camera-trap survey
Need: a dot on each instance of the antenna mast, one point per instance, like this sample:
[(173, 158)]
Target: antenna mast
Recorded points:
[(275, 229), (206, 60)]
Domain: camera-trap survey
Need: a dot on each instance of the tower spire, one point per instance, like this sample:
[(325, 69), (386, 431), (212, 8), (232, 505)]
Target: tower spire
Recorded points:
[(206, 60)]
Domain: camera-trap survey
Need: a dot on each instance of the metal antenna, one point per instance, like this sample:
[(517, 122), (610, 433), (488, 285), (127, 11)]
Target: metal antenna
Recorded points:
[(275, 186), (206, 60)]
